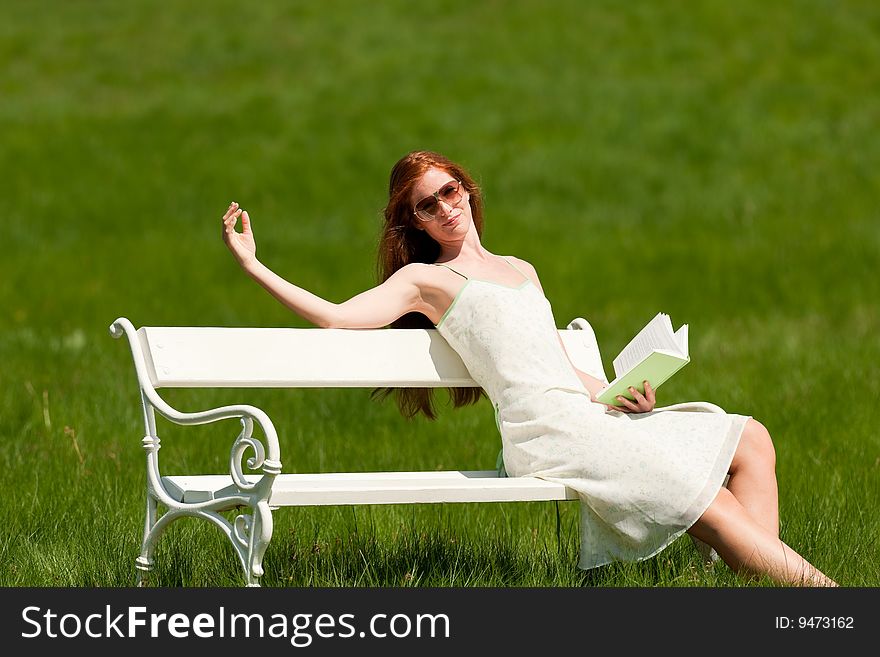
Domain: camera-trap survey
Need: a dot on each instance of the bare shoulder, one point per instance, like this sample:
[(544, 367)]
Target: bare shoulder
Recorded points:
[(427, 279), (525, 265), (417, 273), (528, 269), (412, 273)]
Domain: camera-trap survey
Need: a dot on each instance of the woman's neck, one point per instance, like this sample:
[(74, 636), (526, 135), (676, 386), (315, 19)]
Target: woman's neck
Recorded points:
[(468, 249)]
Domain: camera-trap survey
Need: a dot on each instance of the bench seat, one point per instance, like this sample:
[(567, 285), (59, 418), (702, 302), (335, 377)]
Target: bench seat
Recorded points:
[(340, 488)]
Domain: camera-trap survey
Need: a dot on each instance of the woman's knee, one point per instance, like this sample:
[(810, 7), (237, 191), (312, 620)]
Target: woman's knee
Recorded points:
[(755, 447), (763, 443)]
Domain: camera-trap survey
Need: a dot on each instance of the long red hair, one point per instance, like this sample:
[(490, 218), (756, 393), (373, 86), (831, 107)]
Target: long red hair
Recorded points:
[(401, 243)]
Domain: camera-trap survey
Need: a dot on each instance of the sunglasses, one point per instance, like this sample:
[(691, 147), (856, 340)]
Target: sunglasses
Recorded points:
[(429, 208)]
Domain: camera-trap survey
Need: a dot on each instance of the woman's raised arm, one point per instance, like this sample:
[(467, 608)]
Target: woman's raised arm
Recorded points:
[(373, 308)]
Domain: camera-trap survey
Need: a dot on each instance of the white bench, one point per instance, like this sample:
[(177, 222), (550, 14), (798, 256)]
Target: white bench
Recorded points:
[(200, 357), (212, 357)]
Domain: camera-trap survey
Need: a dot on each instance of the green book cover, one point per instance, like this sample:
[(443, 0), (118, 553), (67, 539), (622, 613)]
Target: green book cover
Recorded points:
[(656, 368)]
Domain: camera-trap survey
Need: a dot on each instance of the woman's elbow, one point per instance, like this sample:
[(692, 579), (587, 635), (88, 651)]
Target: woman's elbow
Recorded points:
[(332, 317), (341, 317)]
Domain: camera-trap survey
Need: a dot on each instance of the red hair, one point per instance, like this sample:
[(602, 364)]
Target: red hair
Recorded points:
[(401, 243)]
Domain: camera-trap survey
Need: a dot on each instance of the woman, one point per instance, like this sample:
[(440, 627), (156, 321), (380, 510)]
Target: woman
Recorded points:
[(644, 476)]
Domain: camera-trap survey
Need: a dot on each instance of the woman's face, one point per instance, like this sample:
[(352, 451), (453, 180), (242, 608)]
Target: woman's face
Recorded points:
[(442, 201)]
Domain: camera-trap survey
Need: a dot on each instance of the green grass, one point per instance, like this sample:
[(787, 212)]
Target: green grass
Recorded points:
[(714, 161)]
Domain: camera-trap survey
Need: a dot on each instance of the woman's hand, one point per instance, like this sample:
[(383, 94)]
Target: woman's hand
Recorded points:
[(642, 403), (241, 244)]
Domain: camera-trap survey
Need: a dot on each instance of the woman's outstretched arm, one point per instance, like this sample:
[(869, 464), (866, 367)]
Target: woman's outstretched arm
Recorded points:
[(374, 308)]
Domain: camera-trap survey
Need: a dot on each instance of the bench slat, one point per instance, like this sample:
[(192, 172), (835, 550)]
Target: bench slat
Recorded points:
[(328, 489), (315, 357)]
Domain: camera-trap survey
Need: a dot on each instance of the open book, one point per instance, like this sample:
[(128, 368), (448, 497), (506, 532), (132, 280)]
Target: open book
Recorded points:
[(654, 354)]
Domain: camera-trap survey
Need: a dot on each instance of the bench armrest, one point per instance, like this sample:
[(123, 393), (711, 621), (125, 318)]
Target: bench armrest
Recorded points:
[(267, 458)]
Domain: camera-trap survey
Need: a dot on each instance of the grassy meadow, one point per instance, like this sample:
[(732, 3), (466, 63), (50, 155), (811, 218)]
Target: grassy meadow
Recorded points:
[(715, 161)]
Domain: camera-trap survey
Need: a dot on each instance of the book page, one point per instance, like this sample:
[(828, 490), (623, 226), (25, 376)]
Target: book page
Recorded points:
[(639, 347), (656, 334), (682, 335)]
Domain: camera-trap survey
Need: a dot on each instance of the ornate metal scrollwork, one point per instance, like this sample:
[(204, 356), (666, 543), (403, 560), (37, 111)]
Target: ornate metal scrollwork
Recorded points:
[(244, 441), (241, 529)]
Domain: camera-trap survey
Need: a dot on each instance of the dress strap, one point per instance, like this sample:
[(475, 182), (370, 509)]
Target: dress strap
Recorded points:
[(451, 269), (515, 267)]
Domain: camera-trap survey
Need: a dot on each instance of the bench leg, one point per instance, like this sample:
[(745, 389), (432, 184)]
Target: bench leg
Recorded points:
[(250, 534), (144, 563), (253, 533)]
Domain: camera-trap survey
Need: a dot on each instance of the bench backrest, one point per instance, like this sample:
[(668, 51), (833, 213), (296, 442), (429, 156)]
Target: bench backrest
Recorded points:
[(315, 357)]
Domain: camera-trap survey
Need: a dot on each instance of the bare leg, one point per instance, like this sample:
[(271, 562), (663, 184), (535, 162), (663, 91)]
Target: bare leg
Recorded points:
[(745, 545), (753, 476)]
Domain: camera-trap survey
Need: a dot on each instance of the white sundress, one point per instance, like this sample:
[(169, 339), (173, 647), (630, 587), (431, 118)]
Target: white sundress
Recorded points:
[(643, 479)]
